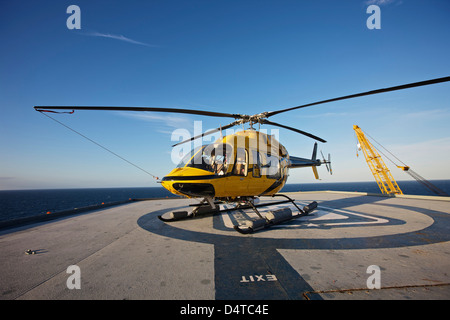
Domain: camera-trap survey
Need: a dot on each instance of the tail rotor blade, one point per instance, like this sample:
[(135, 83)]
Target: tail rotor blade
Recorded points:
[(329, 162), (324, 161)]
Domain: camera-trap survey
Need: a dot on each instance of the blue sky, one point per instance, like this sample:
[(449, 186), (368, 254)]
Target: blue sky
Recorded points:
[(231, 56)]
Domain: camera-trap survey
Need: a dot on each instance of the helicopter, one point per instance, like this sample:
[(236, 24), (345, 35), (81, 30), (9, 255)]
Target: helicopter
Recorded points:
[(240, 168)]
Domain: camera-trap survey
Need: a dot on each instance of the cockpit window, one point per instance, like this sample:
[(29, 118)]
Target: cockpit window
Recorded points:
[(212, 158), (240, 168), (187, 158)]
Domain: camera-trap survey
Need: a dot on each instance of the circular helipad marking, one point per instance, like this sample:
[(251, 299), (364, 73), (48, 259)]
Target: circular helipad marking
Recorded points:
[(394, 226), (322, 223), (237, 257)]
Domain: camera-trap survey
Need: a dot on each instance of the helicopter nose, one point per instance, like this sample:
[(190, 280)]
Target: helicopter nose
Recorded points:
[(169, 187), (194, 189)]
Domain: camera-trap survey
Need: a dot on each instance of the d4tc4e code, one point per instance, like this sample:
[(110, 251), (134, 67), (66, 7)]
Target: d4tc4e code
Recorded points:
[(246, 309)]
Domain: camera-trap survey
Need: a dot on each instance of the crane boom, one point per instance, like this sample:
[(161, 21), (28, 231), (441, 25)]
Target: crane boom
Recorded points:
[(380, 171)]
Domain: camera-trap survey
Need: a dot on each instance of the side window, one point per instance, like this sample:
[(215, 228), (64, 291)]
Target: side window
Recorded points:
[(256, 164), (221, 157), (272, 167), (240, 167)]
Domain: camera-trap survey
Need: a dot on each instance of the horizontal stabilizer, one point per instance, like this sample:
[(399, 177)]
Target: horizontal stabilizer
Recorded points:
[(316, 174)]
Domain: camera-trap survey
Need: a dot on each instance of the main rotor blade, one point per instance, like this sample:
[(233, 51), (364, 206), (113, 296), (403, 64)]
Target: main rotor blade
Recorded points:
[(174, 110), (405, 86), (293, 129), (208, 133)]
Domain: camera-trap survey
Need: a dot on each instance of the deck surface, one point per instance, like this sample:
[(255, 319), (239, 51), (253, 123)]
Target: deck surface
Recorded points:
[(126, 252)]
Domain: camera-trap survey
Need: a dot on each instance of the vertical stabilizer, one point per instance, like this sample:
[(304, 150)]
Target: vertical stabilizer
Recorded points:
[(314, 154), (313, 158)]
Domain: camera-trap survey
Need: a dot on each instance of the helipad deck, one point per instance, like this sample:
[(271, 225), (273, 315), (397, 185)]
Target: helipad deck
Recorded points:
[(351, 241)]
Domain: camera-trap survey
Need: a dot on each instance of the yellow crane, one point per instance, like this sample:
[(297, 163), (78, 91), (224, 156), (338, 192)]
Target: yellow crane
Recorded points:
[(380, 171)]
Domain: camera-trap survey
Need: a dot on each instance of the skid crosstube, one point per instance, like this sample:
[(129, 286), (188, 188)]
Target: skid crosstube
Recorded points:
[(272, 218)]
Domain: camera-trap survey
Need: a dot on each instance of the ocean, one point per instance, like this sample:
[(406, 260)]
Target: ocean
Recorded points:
[(17, 204)]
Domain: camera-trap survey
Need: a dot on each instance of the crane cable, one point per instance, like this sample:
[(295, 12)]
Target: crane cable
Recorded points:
[(387, 151), (412, 173), (44, 112)]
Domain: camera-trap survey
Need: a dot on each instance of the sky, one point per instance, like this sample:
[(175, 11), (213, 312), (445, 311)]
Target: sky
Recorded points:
[(230, 56)]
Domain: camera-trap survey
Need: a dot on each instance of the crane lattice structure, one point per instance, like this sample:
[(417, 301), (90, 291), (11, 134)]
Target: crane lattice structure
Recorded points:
[(380, 171)]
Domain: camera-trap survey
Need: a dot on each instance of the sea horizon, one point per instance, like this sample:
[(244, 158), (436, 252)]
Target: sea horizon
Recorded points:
[(319, 182), (23, 203)]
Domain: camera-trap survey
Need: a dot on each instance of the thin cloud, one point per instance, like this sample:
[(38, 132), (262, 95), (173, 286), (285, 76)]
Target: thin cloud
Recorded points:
[(382, 2), (421, 153), (118, 37), (428, 114), (326, 114), (170, 121)]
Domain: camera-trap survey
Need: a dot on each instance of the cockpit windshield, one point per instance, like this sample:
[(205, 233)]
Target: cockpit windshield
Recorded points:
[(188, 157), (212, 158)]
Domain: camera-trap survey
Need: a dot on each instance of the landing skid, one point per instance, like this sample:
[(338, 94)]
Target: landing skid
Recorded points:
[(273, 217), (209, 207), (206, 207)]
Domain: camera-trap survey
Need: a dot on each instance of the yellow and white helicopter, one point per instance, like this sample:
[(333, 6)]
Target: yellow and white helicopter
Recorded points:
[(241, 167)]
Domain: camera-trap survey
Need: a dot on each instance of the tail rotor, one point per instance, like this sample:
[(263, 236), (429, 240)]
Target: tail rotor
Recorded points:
[(327, 162)]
